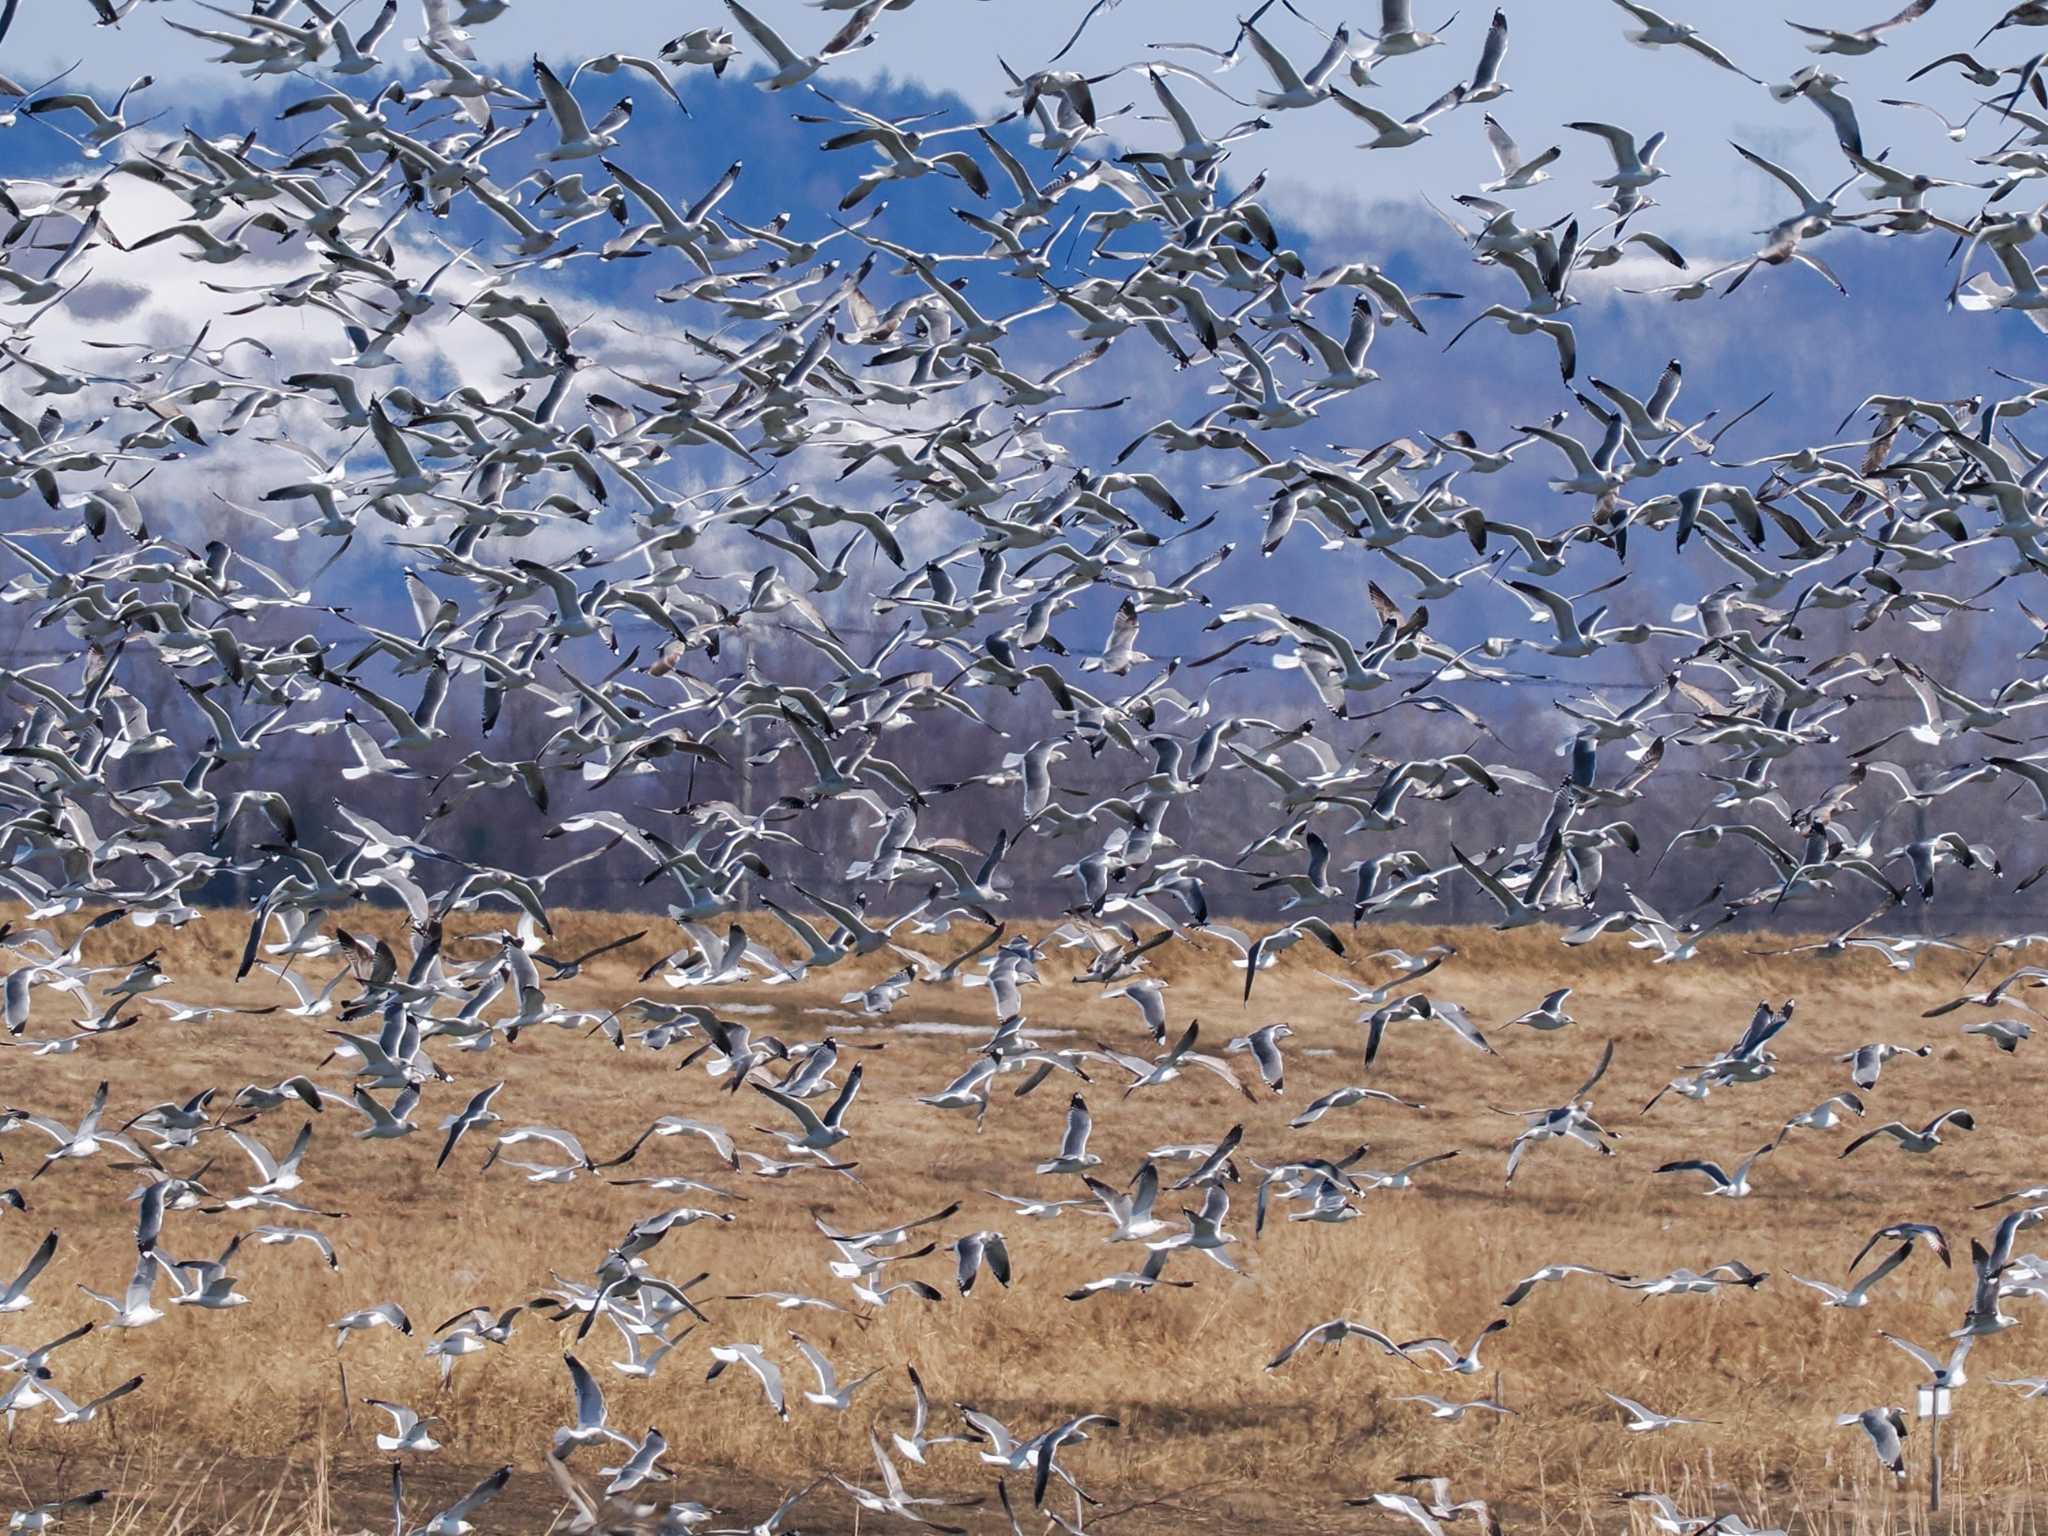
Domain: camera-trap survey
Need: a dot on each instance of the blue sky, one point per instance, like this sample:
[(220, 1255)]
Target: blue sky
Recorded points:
[(1567, 59), (1786, 331)]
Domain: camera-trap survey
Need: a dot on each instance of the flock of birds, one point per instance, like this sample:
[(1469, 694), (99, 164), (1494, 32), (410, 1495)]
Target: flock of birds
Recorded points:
[(974, 501)]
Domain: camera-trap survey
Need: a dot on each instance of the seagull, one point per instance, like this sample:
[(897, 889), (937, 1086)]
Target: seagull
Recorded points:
[(408, 1429), (1204, 1234), (386, 1124), (979, 1250), (1149, 1275), (1858, 1293), (40, 1517), (790, 68), (83, 1140), (1819, 87), (133, 1309), (2005, 1034), (473, 1115), (643, 1466), (1863, 39), (1549, 1014), (1440, 1408), (1551, 1273), (1908, 1232), (578, 139), (1398, 34), (711, 46), (270, 1237), (1941, 1374), (1824, 1116), (885, 1237), (471, 1332), (788, 1301), (831, 1392), (1073, 1155), (1421, 1006), (2032, 1195), (820, 1132), (590, 1426), (1926, 1139), (35, 1362), (211, 1287), (359, 51), (895, 1499), (1634, 167), (1393, 132), (1166, 1068), (1517, 172), (1037, 1453), (912, 1447), (612, 63), (1263, 1044), (1658, 31), (1292, 88), (1516, 911), (384, 1314), (274, 1175), (1132, 1213), (1462, 1362), (1688, 1282), (1643, 1420), (15, 1297), (1344, 1098), (1336, 1331), (104, 125), (749, 1355), (1404, 1176), (1869, 1060), (1733, 1185)]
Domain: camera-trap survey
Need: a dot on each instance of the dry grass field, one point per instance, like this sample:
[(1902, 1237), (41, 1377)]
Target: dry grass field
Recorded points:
[(242, 1422)]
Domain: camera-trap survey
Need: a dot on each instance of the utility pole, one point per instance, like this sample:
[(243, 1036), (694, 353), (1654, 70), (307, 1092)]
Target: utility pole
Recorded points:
[(1457, 885), (1934, 1472), (746, 785), (1933, 1405)]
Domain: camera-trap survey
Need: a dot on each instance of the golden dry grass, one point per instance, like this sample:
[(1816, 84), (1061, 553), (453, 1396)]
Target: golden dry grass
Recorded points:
[(1204, 1427)]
